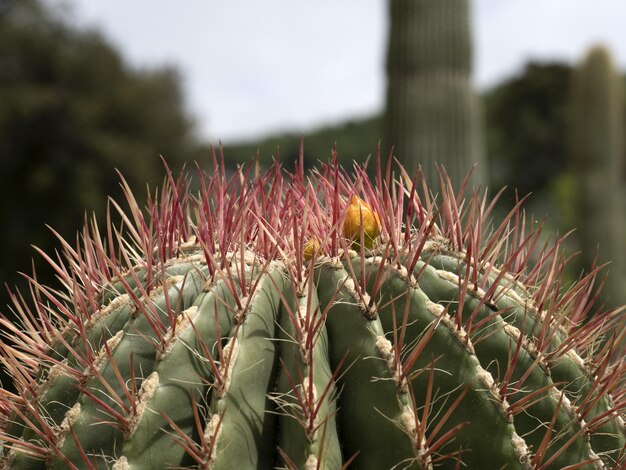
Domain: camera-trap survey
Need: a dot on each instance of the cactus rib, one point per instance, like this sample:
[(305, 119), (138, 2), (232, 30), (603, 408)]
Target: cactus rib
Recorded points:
[(242, 328)]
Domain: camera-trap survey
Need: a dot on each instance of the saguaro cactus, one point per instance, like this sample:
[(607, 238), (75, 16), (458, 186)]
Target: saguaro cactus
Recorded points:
[(310, 323), (432, 110), (597, 152)]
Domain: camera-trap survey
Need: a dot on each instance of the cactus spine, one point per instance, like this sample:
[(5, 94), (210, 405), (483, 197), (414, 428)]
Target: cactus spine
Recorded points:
[(432, 110), (239, 328), (597, 146)]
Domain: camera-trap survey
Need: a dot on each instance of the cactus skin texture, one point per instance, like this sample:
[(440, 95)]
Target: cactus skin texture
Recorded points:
[(597, 152), (432, 113), (237, 328)]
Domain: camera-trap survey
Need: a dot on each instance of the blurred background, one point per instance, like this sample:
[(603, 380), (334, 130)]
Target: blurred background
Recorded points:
[(530, 90)]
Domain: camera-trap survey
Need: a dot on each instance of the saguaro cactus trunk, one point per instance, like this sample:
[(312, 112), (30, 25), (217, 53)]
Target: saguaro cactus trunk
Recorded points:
[(432, 110), (597, 146)]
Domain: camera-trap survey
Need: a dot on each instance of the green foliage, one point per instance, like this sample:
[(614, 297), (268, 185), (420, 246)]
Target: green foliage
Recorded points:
[(525, 120), (71, 112), (354, 141)]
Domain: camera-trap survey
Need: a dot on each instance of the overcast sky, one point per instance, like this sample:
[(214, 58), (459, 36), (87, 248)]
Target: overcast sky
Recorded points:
[(254, 67)]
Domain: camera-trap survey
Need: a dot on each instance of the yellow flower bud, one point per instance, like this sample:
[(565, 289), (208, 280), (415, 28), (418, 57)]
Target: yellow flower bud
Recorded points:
[(311, 247), (359, 211)]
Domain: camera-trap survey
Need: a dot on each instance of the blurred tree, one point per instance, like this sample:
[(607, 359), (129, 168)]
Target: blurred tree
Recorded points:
[(71, 112), (525, 127), (432, 112), (356, 140)]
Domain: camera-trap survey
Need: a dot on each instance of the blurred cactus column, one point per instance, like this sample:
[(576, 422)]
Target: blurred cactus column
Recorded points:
[(432, 108), (596, 148)]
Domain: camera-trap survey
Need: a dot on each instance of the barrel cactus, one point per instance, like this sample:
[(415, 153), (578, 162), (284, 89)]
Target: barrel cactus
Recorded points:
[(268, 319)]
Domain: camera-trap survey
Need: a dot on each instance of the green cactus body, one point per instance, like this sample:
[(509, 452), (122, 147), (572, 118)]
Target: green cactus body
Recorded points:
[(209, 336), (597, 154), (432, 114)]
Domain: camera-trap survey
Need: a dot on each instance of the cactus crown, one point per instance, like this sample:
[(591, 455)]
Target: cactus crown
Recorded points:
[(251, 325)]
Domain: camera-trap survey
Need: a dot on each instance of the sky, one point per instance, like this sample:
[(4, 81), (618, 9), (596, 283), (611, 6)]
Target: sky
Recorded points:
[(252, 68)]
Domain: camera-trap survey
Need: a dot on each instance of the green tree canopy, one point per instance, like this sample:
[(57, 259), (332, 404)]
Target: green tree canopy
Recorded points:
[(71, 112), (525, 120)]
